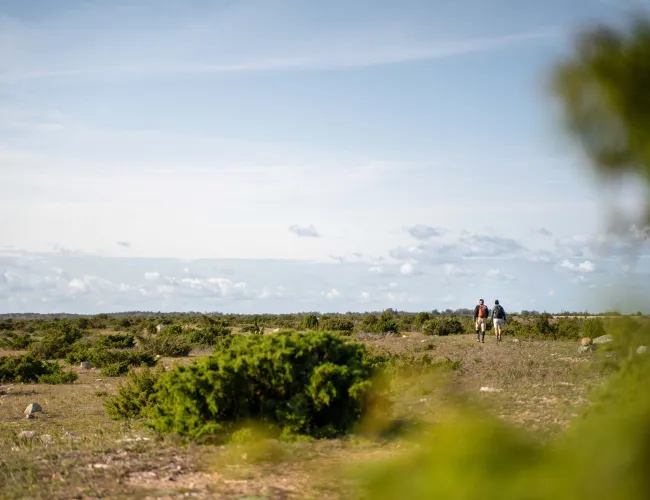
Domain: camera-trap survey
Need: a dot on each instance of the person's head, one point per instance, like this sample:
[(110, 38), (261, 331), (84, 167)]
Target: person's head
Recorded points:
[(480, 301), (496, 302)]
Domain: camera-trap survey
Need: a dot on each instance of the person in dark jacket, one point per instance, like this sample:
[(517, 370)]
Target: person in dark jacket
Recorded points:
[(498, 319), (480, 319)]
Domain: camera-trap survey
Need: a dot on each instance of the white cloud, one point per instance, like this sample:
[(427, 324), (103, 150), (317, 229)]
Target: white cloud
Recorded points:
[(584, 267), (304, 231), (587, 266), (551, 293), (422, 232), (77, 286), (151, 275), (376, 270), (364, 296), (333, 294), (406, 269)]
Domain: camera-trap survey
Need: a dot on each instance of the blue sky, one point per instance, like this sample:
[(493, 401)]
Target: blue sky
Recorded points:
[(262, 156)]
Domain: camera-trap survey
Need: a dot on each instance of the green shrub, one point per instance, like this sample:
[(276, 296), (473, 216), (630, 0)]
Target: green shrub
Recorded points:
[(385, 323), (84, 323), (103, 357), (569, 328), (310, 322), (116, 341), (25, 369), (336, 325), (165, 344), (422, 318), (443, 326), (593, 328), (305, 383), (115, 369), (16, 341), (58, 377), (57, 342), (207, 337), (134, 395)]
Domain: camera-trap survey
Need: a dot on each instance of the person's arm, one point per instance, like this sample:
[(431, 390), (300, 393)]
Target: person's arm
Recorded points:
[(475, 312)]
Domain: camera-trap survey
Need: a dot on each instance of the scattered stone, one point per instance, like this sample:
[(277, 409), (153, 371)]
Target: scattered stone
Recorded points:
[(641, 349), (27, 435), (586, 341), (98, 466), (46, 439), (490, 389), (587, 348), (516, 341), (603, 340), (160, 328), (85, 365), (33, 408)]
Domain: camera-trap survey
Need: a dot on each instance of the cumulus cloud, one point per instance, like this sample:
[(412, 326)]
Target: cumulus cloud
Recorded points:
[(376, 270), (151, 275), (466, 246), (77, 286), (364, 296), (332, 294), (583, 267), (406, 269), (304, 231), (422, 232)]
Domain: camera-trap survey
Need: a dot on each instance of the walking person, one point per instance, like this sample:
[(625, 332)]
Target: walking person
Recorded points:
[(480, 319), (498, 319)]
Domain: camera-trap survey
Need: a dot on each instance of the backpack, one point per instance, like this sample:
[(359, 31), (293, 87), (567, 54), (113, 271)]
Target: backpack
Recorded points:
[(482, 311), (498, 312)]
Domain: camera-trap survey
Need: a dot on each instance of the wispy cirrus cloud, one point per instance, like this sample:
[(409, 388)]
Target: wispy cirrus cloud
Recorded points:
[(47, 56)]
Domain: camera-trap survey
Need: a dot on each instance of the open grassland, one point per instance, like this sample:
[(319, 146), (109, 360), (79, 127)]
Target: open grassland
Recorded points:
[(77, 451)]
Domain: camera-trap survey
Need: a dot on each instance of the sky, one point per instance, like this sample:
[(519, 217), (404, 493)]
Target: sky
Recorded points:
[(284, 156)]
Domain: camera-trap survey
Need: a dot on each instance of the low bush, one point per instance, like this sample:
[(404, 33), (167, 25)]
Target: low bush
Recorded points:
[(443, 326), (16, 341), (207, 337), (104, 357), (115, 369), (310, 383), (310, 322), (593, 328), (134, 395), (336, 325), (57, 341), (165, 344), (28, 368), (116, 341)]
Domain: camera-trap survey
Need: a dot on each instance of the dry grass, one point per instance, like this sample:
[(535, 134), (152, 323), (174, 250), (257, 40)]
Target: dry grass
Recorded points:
[(87, 455)]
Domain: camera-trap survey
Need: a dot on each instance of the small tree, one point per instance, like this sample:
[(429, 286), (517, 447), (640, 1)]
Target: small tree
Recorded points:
[(310, 322)]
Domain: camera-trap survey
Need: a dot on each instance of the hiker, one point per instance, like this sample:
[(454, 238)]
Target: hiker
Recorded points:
[(498, 319), (480, 318)]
